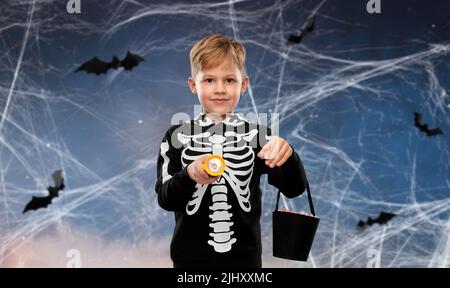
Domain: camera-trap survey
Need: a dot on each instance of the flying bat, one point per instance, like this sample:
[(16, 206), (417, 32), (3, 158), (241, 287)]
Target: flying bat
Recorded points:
[(98, 66), (53, 192), (383, 218), (307, 27), (310, 23), (424, 127)]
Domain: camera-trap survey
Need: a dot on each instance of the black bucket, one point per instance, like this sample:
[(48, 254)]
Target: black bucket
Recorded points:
[(293, 233)]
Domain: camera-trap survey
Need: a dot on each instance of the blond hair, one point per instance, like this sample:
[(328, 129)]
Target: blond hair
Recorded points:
[(212, 50)]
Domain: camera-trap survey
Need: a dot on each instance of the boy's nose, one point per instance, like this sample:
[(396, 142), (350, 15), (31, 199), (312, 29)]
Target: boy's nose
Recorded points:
[(219, 88)]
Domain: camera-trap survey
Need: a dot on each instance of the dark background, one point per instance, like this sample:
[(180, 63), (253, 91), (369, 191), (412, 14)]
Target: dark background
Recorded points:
[(345, 97)]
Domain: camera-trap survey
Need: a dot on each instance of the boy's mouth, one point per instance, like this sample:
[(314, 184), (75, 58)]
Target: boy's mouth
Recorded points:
[(220, 100)]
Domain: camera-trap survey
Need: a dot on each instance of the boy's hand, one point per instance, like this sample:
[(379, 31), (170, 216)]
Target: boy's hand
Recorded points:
[(196, 172), (276, 151)]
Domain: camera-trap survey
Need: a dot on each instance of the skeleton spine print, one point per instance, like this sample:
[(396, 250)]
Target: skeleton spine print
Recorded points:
[(232, 144)]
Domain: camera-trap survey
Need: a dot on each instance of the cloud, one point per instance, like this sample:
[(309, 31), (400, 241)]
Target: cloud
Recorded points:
[(66, 248)]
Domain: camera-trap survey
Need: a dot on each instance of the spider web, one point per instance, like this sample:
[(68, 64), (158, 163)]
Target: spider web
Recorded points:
[(345, 97)]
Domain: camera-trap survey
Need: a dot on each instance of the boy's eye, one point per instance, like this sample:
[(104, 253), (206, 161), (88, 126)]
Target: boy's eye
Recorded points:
[(228, 80)]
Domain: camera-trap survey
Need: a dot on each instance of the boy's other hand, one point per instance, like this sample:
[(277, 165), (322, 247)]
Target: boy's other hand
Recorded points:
[(196, 172), (276, 151)]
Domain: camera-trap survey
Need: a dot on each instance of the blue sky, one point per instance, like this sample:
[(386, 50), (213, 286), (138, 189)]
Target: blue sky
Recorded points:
[(346, 97)]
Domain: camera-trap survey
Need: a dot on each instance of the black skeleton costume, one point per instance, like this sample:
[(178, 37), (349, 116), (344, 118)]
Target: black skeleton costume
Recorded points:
[(219, 224)]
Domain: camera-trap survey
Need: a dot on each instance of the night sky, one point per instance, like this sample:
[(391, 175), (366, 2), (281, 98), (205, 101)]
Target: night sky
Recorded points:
[(345, 97)]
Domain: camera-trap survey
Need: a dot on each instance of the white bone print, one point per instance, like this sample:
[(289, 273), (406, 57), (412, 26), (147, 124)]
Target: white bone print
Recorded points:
[(239, 157)]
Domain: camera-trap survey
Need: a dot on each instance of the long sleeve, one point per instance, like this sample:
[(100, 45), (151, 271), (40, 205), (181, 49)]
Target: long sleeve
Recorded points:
[(173, 185), (289, 178)]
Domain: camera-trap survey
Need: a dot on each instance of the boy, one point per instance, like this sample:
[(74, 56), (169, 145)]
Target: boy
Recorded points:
[(217, 217)]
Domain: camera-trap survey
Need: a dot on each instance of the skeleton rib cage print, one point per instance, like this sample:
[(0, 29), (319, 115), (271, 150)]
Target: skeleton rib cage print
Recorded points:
[(233, 139)]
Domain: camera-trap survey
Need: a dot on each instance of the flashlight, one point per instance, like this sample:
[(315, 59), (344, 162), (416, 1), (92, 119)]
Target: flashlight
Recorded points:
[(214, 165)]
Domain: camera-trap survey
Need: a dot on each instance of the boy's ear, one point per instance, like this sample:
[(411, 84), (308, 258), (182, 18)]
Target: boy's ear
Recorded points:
[(244, 84), (191, 84)]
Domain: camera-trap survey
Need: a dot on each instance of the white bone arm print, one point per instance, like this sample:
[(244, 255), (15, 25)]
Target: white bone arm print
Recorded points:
[(240, 160)]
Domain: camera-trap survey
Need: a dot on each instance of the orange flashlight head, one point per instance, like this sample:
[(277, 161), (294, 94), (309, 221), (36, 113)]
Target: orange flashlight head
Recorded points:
[(214, 165)]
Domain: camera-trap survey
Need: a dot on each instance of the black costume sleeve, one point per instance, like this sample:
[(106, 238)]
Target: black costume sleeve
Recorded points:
[(173, 185), (289, 178)]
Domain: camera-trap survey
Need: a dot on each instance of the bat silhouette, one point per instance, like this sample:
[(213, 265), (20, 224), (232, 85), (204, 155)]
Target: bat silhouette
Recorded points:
[(53, 192), (98, 66), (307, 27), (383, 218), (424, 127)]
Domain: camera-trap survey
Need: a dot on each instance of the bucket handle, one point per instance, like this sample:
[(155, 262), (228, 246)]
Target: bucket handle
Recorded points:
[(311, 206)]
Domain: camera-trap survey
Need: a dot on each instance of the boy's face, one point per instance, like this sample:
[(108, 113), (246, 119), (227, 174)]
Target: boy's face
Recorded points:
[(219, 88)]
